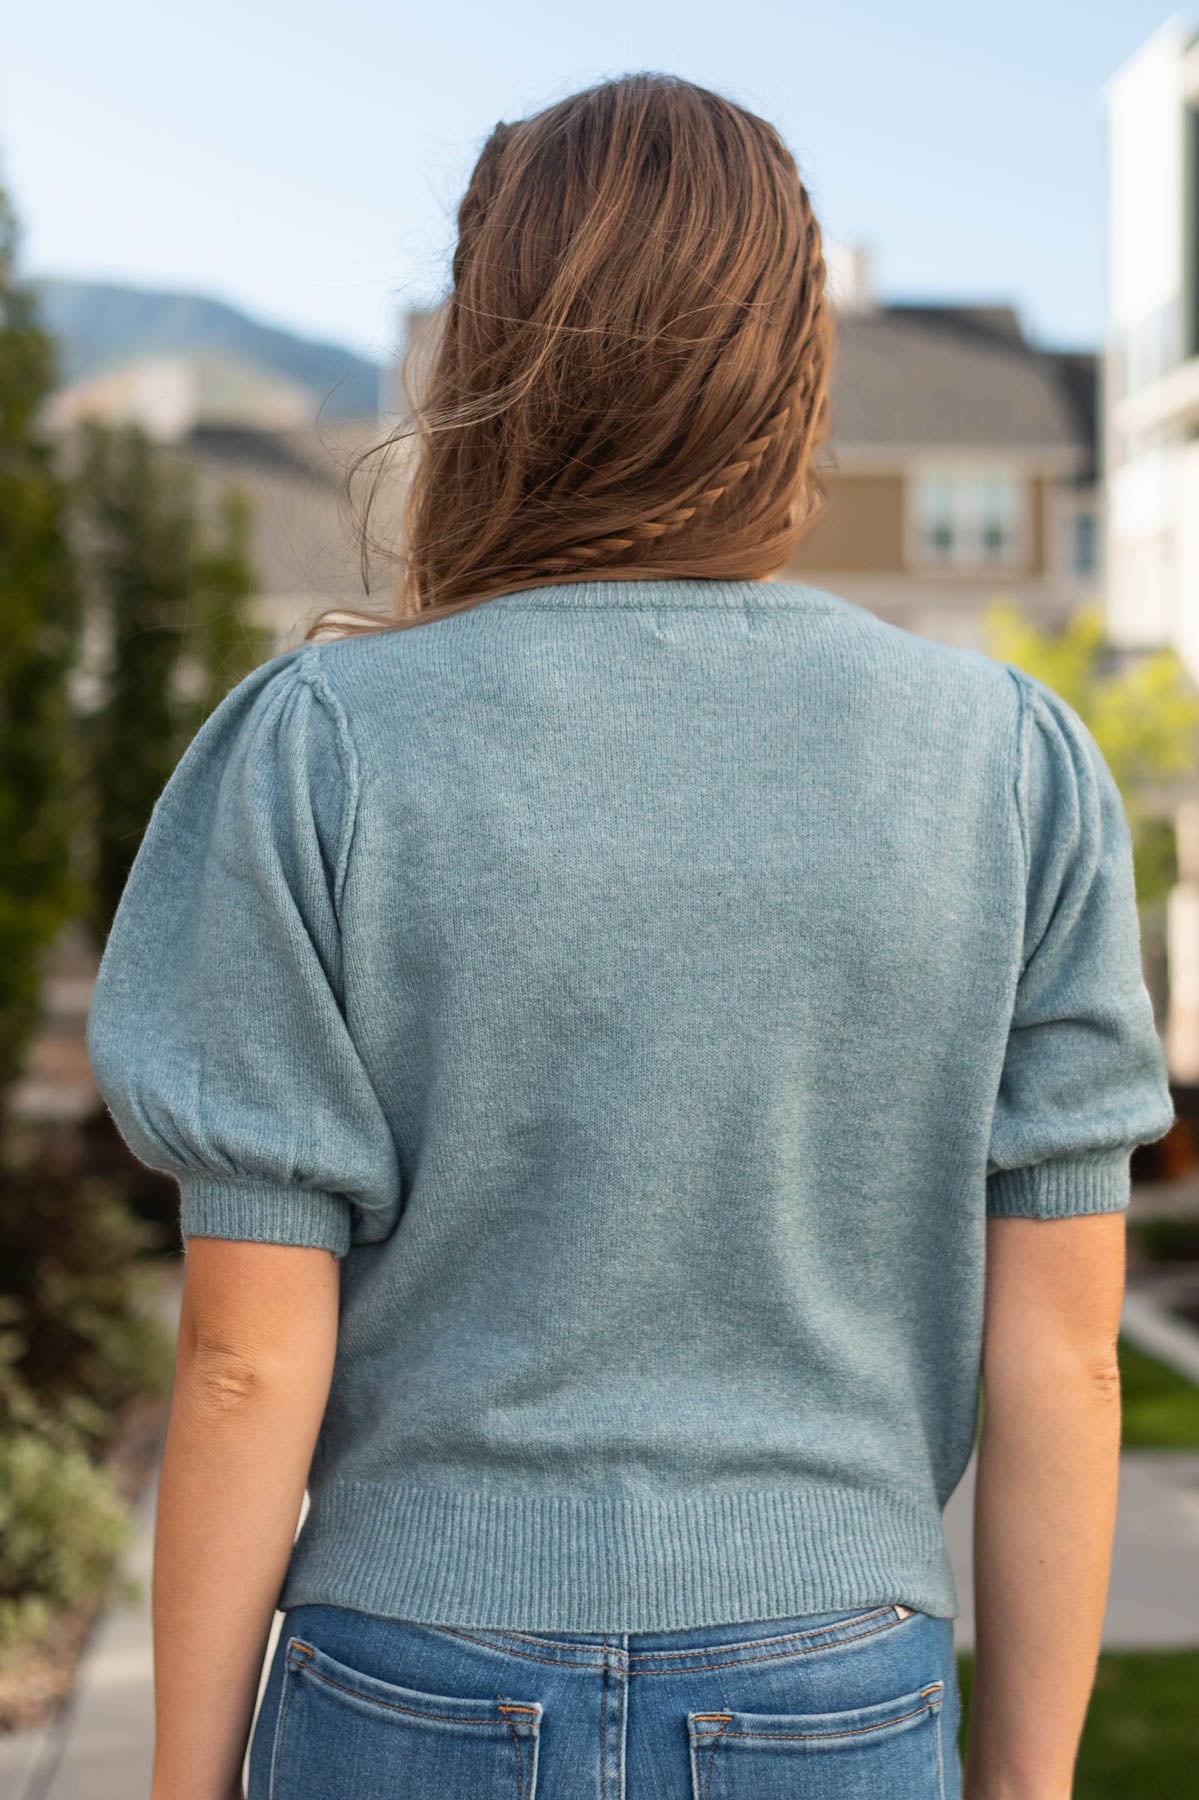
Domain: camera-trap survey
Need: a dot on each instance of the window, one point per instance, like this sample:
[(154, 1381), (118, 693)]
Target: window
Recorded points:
[(1145, 351), (1084, 544), (969, 519)]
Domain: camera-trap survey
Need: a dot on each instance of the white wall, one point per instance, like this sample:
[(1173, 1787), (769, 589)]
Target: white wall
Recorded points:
[(1185, 632), (1145, 179), (1151, 555)]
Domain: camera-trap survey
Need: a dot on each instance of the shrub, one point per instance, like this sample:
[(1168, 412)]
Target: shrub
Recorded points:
[(148, 1193), (1167, 1240), (79, 1290), (62, 1530)]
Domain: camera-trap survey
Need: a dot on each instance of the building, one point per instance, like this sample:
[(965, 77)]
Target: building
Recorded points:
[(307, 494), (1151, 386), (248, 426), (963, 464), (1150, 427), (963, 468), (169, 395)]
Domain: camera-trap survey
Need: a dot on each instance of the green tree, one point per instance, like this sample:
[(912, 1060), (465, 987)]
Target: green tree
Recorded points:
[(1144, 717), (226, 645), (135, 519), (39, 633), (170, 601)]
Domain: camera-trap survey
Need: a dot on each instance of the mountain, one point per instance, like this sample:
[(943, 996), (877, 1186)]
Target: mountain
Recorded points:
[(101, 325)]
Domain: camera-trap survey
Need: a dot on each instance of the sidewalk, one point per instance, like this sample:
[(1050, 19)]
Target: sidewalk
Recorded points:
[(99, 1748)]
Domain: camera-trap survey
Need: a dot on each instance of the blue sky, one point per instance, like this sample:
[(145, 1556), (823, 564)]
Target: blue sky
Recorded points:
[(304, 161)]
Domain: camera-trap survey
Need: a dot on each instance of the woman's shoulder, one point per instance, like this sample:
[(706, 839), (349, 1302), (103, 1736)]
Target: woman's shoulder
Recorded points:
[(907, 667)]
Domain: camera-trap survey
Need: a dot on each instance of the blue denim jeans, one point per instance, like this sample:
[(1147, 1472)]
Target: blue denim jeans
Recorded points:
[(859, 1705)]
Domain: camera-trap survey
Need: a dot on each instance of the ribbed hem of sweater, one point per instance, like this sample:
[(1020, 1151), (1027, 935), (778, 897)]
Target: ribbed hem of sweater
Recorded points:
[(600, 1563), (263, 1212), (1062, 1187)]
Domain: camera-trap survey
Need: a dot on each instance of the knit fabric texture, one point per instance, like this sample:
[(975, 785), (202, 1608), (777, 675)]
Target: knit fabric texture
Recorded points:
[(647, 990)]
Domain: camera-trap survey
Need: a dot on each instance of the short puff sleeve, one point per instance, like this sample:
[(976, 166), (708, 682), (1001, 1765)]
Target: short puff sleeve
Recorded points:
[(1083, 1078), (216, 1031)]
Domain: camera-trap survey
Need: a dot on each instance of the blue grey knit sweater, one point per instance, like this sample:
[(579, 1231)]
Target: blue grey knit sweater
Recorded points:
[(647, 990)]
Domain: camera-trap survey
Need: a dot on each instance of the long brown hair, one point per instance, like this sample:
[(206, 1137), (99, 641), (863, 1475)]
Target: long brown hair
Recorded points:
[(629, 377)]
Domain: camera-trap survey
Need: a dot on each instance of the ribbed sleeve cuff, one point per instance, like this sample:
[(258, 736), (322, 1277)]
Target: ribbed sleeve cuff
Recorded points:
[(262, 1212), (1062, 1187)]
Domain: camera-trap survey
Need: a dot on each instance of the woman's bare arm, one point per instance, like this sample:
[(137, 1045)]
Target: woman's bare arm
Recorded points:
[(256, 1345), (1045, 1502)]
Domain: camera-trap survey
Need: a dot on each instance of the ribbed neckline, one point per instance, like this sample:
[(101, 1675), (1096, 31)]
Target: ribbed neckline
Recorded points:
[(680, 591)]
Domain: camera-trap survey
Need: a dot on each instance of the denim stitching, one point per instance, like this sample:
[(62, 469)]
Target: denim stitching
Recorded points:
[(748, 1662), (520, 1761), (823, 1736), (712, 1758), (390, 1705), (603, 1780), (285, 1696), (786, 1637), (529, 1637)]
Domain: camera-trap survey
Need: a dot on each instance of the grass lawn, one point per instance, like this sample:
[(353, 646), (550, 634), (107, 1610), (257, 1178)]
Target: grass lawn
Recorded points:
[(1161, 1409), (1141, 1740)]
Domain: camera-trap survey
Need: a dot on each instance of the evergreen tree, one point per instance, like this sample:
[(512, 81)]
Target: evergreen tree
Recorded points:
[(39, 631), (226, 645), (136, 518), (170, 603)]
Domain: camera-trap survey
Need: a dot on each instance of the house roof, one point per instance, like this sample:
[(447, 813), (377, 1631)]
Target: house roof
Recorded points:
[(905, 378), (965, 378)]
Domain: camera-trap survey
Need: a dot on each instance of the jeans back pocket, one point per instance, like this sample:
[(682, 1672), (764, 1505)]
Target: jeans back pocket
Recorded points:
[(890, 1751), (344, 1735)]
